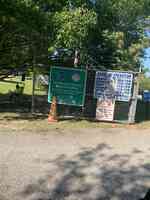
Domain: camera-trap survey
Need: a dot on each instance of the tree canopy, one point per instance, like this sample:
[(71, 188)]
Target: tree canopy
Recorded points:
[(109, 33), (23, 29)]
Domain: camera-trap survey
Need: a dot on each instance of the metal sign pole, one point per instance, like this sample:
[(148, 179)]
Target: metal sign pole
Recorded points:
[(132, 109), (33, 94), (33, 83)]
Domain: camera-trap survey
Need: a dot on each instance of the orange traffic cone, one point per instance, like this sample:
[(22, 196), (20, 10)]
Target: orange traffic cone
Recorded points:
[(113, 125), (52, 117)]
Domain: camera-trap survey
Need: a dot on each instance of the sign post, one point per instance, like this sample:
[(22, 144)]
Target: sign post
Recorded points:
[(132, 110)]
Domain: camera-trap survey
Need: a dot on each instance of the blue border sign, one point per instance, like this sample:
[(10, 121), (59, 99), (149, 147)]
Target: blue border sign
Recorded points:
[(113, 85)]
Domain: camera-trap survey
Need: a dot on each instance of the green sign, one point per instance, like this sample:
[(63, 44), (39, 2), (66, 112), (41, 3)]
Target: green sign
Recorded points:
[(68, 85)]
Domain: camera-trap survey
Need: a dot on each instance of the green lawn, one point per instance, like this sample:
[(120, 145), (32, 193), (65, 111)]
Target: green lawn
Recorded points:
[(39, 123), (5, 87)]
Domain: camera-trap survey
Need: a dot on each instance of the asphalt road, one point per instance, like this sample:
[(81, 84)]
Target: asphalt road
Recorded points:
[(84, 164)]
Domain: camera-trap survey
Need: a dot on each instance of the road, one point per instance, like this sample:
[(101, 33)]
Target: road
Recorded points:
[(82, 164)]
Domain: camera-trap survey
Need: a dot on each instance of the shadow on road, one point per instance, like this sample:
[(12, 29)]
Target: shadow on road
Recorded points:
[(92, 174)]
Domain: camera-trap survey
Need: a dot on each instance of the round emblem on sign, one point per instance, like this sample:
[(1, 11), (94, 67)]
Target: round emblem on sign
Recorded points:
[(76, 77)]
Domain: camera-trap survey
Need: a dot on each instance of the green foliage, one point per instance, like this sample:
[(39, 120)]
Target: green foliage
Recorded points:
[(23, 29), (71, 28), (109, 33), (144, 83), (121, 32)]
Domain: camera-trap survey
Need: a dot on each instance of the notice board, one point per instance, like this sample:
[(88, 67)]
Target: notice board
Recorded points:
[(105, 110), (113, 85), (68, 85)]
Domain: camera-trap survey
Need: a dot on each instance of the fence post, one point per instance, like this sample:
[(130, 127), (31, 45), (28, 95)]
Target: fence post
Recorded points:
[(132, 109), (33, 93), (33, 82)]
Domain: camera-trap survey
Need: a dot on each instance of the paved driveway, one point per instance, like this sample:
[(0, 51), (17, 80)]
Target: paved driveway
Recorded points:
[(84, 164)]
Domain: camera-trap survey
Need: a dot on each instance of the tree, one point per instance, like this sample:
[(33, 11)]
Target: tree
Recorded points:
[(120, 32), (113, 31), (109, 33), (72, 27), (23, 34), (144, 83)]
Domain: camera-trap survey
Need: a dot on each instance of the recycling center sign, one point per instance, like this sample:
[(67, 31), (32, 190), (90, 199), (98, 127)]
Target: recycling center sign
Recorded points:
[(68, 85)]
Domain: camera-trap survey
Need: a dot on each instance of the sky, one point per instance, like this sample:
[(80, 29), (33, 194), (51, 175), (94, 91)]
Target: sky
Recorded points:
[(146, 61)]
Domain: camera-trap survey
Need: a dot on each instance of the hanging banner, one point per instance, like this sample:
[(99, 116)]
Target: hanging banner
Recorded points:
[(105, 110), (68, 85), (113, 85)]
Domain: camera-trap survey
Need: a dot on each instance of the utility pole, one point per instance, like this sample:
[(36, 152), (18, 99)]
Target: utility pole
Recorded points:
[(33, 83), (76, 58), (133, 105)]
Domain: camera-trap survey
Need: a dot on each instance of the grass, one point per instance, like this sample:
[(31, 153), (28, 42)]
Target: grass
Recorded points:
[(39, 124), (27, 122), (5, 87), (144, 125)]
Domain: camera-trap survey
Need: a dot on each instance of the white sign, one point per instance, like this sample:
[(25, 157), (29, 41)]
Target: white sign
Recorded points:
[(105, 110)]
